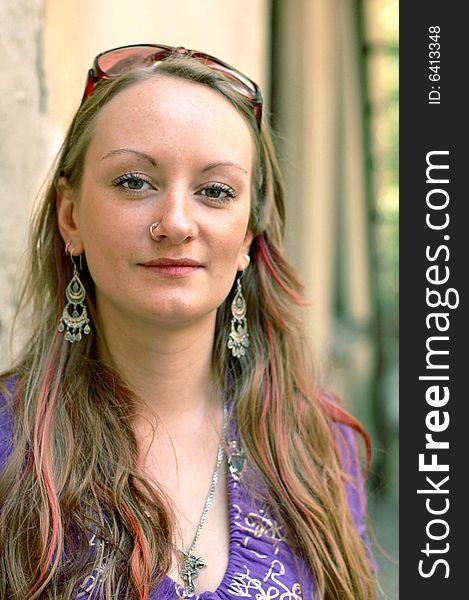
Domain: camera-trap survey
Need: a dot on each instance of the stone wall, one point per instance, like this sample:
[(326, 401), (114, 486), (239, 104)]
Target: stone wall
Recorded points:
[(24, 148)]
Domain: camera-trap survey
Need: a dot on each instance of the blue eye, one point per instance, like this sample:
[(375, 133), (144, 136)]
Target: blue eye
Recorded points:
[(134, 182), (219, 192)]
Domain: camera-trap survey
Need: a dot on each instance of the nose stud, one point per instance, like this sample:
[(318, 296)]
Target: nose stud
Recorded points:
[(153, 227)]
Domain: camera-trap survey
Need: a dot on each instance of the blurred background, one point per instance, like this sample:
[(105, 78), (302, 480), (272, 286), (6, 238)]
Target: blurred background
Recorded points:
[(329, 73)]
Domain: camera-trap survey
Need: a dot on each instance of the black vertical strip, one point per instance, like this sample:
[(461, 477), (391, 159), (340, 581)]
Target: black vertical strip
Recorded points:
[(434, 527)]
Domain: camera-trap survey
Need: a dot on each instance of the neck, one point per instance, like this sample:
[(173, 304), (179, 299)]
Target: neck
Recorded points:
[(169, 369)]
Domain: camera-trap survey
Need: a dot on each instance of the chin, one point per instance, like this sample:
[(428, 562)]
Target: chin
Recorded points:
[(176, 317)]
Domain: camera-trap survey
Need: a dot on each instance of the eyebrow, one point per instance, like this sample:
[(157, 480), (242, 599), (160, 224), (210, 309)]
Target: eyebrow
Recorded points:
[(150, 159), (118, 151), (223, 163)]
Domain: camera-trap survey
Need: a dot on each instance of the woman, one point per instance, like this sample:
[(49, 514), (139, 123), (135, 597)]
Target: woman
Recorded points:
[(162, 435)]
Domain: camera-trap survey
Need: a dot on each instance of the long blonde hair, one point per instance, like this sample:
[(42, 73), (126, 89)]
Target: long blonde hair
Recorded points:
[(60, 487)]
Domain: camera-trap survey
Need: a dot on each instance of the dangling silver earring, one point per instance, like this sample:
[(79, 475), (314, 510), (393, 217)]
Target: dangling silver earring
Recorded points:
[(74, 320), (239, 336)]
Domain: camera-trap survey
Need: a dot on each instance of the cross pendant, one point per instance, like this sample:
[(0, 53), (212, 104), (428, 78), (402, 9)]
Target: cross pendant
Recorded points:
[(190, 569)]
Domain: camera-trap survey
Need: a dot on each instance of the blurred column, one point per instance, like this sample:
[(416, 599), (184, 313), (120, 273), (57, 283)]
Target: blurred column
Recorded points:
[(317, 102), (305, 88)]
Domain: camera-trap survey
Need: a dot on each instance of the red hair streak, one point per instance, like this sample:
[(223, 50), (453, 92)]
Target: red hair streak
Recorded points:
[(47, 398), (338, 414), (265, 256), (139, 558)]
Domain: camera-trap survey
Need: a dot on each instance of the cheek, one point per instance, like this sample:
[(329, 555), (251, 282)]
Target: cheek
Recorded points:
[(225, 260), (99, 237), (101, 219), (228, 240), (106, 239)]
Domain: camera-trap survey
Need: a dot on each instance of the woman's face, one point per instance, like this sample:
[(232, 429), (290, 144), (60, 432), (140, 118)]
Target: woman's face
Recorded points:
[(174, 152)]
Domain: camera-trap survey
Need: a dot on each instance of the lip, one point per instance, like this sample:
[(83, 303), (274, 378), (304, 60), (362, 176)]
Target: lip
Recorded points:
[(171, 262), (172, 267)]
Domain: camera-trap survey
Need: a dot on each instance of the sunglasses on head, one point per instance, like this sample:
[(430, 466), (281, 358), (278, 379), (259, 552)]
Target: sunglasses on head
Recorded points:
[(118, 61)]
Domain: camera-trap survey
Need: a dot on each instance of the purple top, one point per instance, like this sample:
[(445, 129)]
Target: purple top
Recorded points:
[(261, 564)]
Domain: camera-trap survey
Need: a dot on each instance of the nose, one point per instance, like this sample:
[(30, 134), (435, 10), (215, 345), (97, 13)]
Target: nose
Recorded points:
[(175, 217)]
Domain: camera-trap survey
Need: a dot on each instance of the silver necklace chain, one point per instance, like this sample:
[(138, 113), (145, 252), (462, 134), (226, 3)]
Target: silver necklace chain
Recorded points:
[(191, 565)]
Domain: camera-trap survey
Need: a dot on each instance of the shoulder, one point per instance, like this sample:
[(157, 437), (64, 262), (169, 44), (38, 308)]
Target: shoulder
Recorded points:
[(350, 438), (354, 479), (348, 431), (349, 445), (7, 392)]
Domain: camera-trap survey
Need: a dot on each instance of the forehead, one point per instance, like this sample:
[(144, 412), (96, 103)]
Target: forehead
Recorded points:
[(168, 113)]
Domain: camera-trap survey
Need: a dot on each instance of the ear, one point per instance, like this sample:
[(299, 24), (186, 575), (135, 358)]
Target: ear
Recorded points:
[(243, 264), (66, 213)]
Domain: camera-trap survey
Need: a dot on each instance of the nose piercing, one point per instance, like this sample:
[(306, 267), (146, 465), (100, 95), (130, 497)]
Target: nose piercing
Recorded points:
[(154, 226)]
